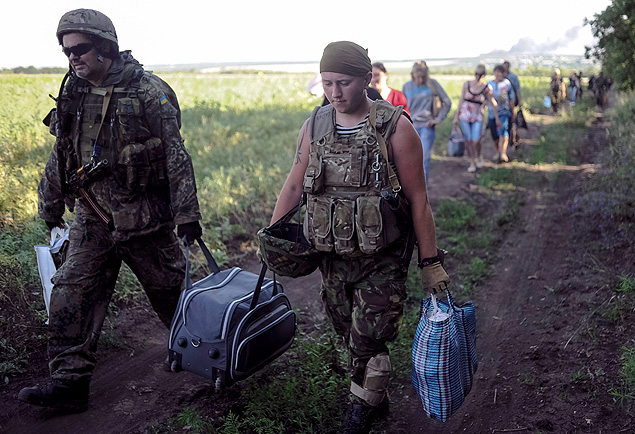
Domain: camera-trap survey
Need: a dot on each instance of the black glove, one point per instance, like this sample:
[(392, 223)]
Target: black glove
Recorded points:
[(57, 224), (191, 230)]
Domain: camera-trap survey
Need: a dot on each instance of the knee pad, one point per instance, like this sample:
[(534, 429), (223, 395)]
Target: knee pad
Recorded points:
[(376, 379)]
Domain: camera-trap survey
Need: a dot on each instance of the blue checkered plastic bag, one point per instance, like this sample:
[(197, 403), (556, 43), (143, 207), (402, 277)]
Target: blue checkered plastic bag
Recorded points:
[(444, 356)]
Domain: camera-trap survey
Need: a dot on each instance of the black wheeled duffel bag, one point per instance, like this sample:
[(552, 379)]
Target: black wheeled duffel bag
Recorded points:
[(229, 324)]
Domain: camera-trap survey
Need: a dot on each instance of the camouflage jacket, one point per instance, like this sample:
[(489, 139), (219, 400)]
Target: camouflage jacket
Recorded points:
[(149, 181)]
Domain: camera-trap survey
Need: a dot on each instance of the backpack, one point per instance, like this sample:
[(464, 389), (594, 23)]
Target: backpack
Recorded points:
[(555, 84)]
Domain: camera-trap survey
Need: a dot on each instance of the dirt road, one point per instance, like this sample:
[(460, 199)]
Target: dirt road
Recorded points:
[(529, 315)]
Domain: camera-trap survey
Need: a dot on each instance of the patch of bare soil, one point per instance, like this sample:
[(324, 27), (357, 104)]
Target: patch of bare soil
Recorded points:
[(540, 369)]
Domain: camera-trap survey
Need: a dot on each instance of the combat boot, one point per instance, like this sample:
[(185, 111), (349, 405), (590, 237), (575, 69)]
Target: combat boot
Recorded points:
[(72, 396), (360, 417)]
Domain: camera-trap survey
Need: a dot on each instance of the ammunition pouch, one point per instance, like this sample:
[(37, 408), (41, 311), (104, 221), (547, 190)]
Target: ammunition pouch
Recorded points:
[(157, 160), (134, 167), (367, 224), (344, 226), (128, 113), (130, 211), (317, 223), (143, 165)]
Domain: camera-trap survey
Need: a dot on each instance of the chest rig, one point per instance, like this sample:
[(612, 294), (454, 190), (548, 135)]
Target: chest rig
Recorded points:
[(107, 124), (344, 182)]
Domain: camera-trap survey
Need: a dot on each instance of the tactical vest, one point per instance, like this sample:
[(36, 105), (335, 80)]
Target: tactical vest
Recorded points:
[(134, 189), (119, 134), (344, 181), (91, 126)]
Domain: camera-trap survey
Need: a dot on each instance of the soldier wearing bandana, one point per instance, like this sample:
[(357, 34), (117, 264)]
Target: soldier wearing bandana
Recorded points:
[(120, 164), (356, 158)]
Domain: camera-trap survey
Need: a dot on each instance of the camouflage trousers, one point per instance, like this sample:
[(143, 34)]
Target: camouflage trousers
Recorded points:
[(84, 285), (364, 296)]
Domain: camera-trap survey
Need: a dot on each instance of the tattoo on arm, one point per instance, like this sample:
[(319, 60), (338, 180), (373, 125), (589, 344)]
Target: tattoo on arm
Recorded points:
[(298, 158)]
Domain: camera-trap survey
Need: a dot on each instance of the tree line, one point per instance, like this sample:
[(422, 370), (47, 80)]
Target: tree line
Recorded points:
[(615, 30)]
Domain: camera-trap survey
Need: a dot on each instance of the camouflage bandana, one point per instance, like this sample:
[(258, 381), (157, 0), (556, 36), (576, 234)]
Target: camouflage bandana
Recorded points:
[(345, 57)]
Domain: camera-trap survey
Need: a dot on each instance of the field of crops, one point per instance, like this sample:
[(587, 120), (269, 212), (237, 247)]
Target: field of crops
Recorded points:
[(240, 129)]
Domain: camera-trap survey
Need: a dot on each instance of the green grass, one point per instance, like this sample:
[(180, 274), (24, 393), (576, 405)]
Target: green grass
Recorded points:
[(558, 139), (624, 392), (466, 235), (627, 284), (527, 378), (501, 178), (608, 198)]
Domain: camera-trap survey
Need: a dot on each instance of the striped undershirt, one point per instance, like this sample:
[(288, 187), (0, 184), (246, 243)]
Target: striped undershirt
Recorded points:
[(349, 131)]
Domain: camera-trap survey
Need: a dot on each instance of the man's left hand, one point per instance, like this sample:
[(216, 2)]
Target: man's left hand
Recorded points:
[(191, 231), (432, 122)]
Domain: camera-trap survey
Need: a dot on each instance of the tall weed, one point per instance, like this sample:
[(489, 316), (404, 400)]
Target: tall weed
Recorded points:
[(608, 199)]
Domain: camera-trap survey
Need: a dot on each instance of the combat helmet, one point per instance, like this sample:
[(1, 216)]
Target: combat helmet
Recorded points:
[(285, 249), (87, 21)]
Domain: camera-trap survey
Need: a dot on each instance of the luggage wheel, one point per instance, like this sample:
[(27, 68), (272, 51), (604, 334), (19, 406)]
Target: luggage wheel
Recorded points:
[(218, 385), (174, 366)]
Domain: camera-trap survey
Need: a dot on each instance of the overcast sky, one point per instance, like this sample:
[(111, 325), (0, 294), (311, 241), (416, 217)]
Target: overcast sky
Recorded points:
[(196, 31)]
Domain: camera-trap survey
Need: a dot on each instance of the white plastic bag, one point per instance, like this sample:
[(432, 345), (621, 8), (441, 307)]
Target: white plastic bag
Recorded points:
[(45, 263)]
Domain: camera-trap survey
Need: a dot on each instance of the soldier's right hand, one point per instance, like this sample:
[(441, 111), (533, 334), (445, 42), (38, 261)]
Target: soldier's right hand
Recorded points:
[(56, 224), (434, 279), (191, 231)]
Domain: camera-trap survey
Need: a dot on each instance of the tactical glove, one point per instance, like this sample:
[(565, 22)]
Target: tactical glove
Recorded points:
[(434, 278), (191, 231), (56, 224)]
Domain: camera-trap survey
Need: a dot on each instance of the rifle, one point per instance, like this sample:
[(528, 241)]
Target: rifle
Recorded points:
[(87, 173)]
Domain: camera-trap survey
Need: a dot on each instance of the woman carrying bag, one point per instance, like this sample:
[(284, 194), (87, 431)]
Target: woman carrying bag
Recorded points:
[(470, 115)]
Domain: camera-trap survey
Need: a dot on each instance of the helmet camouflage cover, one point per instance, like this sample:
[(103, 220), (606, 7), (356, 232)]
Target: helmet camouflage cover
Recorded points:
[(287, 257), (87, 21), (285, 249)]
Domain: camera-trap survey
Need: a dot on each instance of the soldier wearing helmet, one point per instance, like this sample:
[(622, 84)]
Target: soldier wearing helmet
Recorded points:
[(119, 163), (360, 163)]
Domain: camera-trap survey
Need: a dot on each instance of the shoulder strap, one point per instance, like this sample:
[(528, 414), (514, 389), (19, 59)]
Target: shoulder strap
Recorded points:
[(312, 128), (394, 180), (322, 122), (104, 108)]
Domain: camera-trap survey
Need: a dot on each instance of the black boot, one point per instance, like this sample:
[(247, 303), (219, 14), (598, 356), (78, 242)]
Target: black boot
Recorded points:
[(58, 394), (360, 417)]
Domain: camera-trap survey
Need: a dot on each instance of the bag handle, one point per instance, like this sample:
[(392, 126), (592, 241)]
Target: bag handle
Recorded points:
[(261, 279), (211, 262), (213, 266)]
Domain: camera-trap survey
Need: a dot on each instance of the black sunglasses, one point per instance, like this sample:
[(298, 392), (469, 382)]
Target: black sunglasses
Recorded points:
[(78, 49)]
